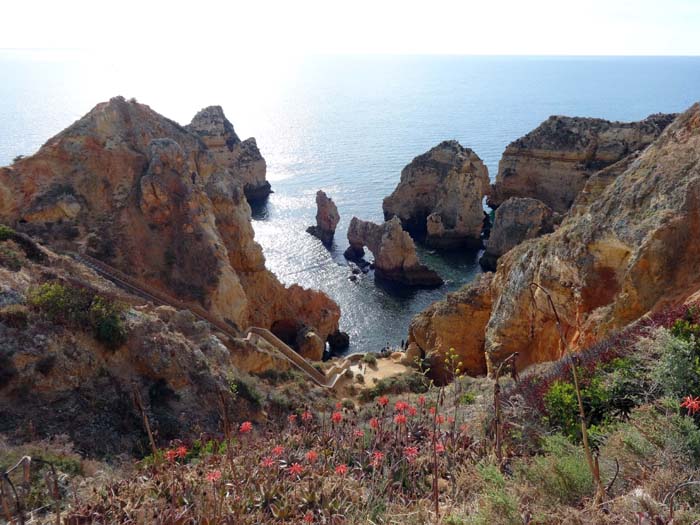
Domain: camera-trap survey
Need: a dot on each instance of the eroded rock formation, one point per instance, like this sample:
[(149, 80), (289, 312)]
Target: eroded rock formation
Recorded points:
[(395, 257), (516, 220), (440, 196), (553, 162), (242, 158), (457, 322), (631, 250), (327, 218), (149, 197)]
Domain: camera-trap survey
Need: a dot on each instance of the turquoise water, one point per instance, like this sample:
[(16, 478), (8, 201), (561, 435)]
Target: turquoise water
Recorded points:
[(346, 125)]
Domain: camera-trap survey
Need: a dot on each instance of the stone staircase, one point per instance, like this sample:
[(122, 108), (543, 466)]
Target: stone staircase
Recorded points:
[(227, 327)]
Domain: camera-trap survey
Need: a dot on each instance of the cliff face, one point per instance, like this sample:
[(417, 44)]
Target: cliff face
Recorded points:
[(631, 250), (394, 251), (553, 162), (515, 221), (242, 158), (440, 195), (149, 197)]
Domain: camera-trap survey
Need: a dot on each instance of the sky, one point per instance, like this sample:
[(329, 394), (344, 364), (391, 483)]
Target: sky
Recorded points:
[(228, 29)]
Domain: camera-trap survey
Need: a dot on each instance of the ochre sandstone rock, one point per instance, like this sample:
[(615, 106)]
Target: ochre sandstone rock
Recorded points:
[(327, 218), (440, 195), (458, 321), (395, 257), (516, 220), (553, 162), (149, 197), (631, 250), (242, 158)]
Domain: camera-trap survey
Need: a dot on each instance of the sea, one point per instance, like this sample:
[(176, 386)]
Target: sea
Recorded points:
[(347, 125)]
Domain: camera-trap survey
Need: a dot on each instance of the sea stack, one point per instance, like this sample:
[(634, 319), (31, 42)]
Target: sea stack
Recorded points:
[(394, 251), (327, 218), (439, 197)]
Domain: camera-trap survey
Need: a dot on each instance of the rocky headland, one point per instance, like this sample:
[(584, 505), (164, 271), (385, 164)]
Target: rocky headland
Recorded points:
[(327, 218), (163, 203), (439, 198), (394, 251), (629, 250), (553, 162)]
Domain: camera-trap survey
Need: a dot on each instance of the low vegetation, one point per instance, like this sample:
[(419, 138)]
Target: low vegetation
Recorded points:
[(415, 453), (80, 308)]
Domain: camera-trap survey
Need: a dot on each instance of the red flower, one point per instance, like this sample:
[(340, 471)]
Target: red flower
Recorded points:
[(292, 418), (311, 456), (246, 427), (691, 404), (338, 405), (412, 411), (358, 433), (383, 401), (277, 451), (306, 416), (214, 476), (308, 517), (450, 420), (400, 406), (374, 423), (411, 453), (341, 470), (377, 458), (400, 419), (440, 419), (268, 462), (439, 448), (337, 417), (171, 455), (181, 451), (295, 469), (421, 400), (432, 411)]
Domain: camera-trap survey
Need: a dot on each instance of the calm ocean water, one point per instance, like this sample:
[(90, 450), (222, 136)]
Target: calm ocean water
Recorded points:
[(346, 125)]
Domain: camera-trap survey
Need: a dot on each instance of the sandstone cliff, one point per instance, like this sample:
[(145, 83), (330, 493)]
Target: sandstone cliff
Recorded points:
[(242, 158), (553, 162), (631, 250), (395, 257), (327, 218), (440, 195), (58, 377), (515, 221), (149, 197)]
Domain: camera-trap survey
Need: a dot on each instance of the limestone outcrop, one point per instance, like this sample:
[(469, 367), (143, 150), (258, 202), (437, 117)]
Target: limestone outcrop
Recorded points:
[(440, 196), (83, 388), (515, 221), (327, 218), (553, 162), (631, 250), (242, 158), (149, 197), (456, 322), (395, 257)]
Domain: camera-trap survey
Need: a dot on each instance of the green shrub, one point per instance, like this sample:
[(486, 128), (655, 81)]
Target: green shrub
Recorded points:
[(370, 359), (562, 408), (562, 473), (245, 389), (413, 382), (678, 371), (6, 232), (468, 398), (82, 309), (497, 505)]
